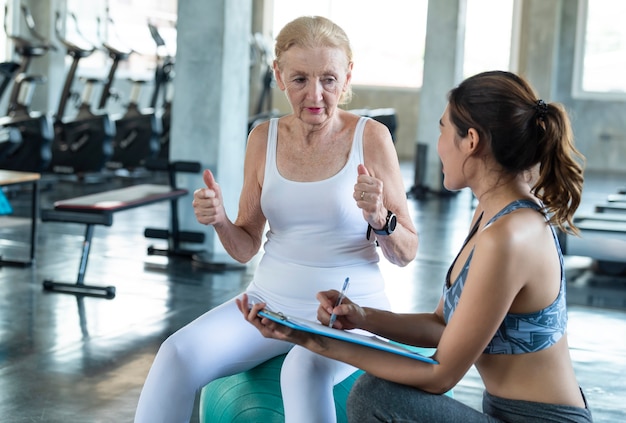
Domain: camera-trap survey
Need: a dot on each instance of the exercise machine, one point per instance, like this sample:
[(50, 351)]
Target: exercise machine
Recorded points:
[(161, 99), (10, 137), (33, 152), (136, 131), (261, 63), (137, 134), (82, 144)]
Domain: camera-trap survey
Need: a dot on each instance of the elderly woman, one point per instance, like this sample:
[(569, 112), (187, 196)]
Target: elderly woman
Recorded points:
[(328, 182)]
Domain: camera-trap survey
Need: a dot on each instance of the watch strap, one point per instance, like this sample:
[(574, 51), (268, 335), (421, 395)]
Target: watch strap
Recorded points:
[(383, 231)]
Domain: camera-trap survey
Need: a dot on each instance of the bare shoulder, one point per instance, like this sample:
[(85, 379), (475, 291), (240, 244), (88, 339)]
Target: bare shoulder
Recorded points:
[(259, 134), (516, 232), (378, 149), (377, 133), (256, 150)]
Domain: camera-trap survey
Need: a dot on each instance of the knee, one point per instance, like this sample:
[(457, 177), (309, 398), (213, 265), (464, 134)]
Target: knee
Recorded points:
[(301, 363), (172, 354), (359, 404), (374, 399)]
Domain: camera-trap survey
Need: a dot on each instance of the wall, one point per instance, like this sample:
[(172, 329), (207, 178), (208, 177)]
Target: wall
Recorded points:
[(599, 126)]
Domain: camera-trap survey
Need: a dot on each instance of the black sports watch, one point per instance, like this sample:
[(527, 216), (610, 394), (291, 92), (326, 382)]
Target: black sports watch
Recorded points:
[(390, 226)]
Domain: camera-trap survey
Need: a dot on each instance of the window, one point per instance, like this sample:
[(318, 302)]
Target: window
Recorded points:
[(488, 34), (387, 37), (124, 25), (600, 63)]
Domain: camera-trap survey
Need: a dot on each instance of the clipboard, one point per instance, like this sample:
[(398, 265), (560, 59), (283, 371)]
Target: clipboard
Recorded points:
[(371, 341)]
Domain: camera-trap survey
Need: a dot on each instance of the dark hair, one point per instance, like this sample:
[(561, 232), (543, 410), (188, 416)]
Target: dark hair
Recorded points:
[(521, 132)]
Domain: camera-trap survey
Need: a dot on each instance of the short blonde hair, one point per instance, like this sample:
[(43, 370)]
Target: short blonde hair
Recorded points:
[(312, 32)]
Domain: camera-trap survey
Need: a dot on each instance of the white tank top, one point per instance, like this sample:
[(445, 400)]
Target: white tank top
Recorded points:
[(316, 235)]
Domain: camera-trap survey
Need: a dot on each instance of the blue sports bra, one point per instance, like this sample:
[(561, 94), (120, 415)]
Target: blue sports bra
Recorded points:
[(518, 333)]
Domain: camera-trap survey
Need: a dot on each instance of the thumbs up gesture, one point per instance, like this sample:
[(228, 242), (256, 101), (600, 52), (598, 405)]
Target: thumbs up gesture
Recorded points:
[(368, 193), (207, 202)]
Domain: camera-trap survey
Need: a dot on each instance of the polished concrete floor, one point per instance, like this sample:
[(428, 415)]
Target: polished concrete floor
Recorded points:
[(72, 359)]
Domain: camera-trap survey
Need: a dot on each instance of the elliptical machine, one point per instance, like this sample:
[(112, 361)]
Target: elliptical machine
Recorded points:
[(82, 144), (261, 63), (163, 77), (33, 152), (10, 137), (136, 131)]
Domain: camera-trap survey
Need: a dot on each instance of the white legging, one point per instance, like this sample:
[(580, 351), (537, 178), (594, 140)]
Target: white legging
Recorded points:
[(221, 343)]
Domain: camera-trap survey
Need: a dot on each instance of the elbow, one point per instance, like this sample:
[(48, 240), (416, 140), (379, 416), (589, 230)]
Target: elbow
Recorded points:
[(442, 389), (400, 249), (241, 259), (403, 261), (409, 255), (442, 381), (438, 387), (244, 257)]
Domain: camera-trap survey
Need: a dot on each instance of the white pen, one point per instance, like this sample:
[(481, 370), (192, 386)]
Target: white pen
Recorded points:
[(342, 294)]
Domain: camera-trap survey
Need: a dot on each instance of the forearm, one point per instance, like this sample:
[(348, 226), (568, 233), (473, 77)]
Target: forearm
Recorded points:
[(238, 242), (423, 329), (400, 247), (385, 365)]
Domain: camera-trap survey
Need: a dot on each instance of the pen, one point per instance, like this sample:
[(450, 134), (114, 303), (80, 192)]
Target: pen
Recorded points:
[(342, 294)]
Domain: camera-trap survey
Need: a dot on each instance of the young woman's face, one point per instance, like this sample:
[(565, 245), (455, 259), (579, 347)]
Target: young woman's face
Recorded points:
[(313, 80), (452, 158)]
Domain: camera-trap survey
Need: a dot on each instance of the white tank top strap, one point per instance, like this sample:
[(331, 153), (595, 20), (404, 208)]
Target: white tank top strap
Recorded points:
[(357, 145), (270, 153)]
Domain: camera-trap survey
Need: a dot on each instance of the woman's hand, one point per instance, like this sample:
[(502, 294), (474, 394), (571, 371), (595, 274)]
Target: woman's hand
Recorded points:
[(267, 327), (208, 204), (368, 193), (349, 315)]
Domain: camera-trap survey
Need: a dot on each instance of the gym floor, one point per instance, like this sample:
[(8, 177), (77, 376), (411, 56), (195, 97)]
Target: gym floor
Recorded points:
[(72, 359)]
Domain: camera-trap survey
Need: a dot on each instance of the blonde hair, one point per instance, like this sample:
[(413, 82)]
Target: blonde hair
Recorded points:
[(312, 32)]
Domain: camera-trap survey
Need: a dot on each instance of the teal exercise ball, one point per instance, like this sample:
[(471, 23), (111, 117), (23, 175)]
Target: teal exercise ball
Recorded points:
[(254, 396)]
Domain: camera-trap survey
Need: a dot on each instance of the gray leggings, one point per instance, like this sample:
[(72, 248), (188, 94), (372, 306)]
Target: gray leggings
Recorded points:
[(376, 400)]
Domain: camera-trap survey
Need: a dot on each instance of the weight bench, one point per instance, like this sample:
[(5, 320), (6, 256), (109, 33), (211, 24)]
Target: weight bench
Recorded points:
[(616, 198), (603, 237), (611, 207), (99, 208)]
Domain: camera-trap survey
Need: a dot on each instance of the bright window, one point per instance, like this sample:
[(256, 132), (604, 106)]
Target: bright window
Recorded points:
[(488, 33), (387, 37), (601, 49)]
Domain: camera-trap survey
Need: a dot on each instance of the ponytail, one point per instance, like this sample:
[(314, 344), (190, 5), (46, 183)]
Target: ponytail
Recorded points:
[(560, 181)]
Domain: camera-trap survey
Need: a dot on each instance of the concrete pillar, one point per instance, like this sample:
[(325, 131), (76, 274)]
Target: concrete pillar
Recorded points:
[(210, 104), (538, 49), (443, 69)]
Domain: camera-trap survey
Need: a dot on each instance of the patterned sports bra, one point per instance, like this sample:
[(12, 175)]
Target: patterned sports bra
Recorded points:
[(518, 333)]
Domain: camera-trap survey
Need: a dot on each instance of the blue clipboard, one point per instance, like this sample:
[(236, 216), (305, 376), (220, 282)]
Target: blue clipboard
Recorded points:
[(371, 341)]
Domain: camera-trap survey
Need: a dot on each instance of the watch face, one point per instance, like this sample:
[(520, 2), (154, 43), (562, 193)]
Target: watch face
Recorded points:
[(392, 223)]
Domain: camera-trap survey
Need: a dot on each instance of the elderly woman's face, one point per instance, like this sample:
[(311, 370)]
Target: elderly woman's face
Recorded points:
[(314, 80)]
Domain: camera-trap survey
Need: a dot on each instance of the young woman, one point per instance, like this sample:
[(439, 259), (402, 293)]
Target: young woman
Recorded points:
[(503, 303)]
